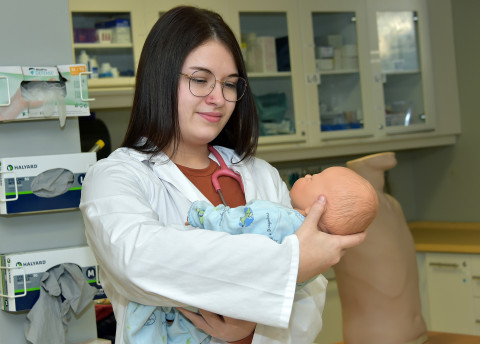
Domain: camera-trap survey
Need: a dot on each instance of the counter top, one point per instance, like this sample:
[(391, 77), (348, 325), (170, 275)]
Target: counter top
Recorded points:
[(453, 237)]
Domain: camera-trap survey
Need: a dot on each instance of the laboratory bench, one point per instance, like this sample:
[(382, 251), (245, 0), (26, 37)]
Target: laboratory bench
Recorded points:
[(448, 256), (446, 237)]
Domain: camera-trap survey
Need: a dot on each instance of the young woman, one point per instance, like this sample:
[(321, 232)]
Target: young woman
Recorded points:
[(192, 91)]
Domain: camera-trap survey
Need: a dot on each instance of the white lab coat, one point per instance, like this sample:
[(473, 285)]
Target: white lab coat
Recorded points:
[(134, 212)]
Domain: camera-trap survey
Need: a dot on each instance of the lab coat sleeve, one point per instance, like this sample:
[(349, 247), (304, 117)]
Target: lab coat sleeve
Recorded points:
[(144, 260), (305, 322), (306, 318)]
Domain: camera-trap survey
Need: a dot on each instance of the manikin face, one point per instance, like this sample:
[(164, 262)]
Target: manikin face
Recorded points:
[(307, 189), (202, 118)]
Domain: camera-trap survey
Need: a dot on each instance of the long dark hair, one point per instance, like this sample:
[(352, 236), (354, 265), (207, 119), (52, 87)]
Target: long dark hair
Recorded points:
[(154, 113)]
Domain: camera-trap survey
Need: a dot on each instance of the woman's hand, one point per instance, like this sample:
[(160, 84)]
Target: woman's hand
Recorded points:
[(224, 328), (318, 250)]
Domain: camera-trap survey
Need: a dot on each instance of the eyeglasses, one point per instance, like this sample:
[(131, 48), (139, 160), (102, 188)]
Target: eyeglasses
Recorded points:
[(202, 83)]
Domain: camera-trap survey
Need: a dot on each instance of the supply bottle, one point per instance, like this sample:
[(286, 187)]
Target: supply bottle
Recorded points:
[(83, 58), (93, 67)]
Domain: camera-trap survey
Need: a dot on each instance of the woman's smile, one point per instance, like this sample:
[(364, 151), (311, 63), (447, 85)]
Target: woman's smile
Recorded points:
[(213, 117)]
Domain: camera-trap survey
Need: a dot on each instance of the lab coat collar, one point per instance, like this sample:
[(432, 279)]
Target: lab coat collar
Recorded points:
[(168, 172)]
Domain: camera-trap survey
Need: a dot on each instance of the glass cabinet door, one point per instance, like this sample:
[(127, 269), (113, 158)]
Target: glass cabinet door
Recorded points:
[(336, 61), (402, 78), (335, 64), (103, 41), (270, 40), (403, 65), (107, 36)]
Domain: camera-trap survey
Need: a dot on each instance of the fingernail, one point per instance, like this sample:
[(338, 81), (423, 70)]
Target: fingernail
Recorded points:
[(322, 199)]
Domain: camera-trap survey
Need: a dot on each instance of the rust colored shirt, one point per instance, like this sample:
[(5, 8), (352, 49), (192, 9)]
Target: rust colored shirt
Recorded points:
[(202, 179)]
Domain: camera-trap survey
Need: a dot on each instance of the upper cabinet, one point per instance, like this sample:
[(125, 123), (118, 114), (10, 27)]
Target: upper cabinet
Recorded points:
[(369, 71), (270, 40), (337, 70), (108, 36), (401, 63), (330, 77)]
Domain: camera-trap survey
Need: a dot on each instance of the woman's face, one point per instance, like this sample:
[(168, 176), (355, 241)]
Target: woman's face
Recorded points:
[(202, 118)]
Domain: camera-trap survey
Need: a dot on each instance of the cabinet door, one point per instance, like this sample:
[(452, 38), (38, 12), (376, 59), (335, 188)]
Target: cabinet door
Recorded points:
[(475, 262), (449, 289), (332, 312), (112, 32), (336, 67), (270, 37), (402, 67)]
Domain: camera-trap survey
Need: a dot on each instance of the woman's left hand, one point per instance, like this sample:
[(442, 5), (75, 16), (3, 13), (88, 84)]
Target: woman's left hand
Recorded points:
[(224, 328)]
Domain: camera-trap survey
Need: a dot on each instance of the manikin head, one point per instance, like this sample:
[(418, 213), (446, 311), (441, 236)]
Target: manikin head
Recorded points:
[(352, 202)]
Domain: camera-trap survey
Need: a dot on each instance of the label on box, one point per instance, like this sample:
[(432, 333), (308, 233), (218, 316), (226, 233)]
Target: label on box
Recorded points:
[(18, 175)]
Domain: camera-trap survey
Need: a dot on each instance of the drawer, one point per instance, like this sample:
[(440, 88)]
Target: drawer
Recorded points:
[(476, 301), (475, 266)]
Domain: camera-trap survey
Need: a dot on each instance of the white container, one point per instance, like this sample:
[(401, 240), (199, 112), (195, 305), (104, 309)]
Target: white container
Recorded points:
[(266, 54), (335, 41), (325, 52), (83, 58), (324, 64), (349, 50)]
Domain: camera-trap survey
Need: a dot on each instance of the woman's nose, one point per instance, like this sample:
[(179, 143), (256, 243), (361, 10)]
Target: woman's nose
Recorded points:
[(217, 93)]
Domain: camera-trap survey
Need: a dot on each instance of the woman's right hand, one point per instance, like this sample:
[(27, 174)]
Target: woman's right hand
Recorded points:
[(318, 250)]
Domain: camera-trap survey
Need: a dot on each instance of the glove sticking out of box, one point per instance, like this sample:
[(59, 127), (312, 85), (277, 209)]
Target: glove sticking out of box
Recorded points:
[(63, 289)]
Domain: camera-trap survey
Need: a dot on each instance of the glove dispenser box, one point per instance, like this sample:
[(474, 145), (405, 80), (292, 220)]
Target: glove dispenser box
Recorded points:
[(43, 92), (42, 183), (21, 274)]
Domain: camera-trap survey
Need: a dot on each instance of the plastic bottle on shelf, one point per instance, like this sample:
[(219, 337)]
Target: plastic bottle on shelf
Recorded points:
[(93, 67), (83, 58)]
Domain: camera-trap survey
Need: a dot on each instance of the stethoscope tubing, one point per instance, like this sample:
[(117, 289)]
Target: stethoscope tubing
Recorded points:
[(224, 171)]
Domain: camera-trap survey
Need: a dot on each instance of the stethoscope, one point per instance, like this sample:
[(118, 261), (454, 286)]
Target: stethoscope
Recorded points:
[(223, 171)]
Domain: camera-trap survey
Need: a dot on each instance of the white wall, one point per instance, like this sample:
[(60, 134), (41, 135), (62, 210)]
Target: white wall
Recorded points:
[(447, 180)]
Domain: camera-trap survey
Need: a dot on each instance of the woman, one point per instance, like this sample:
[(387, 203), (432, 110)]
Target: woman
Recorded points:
[(190, 92)]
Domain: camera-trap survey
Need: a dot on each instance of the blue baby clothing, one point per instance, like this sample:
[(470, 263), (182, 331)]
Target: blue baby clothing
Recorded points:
[(256, 217), (151, 324), (167, 324)]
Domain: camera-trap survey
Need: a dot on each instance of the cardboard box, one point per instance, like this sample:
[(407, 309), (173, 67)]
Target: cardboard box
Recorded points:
[(21, 184), (265, 54), (21, 274), (43, 92)]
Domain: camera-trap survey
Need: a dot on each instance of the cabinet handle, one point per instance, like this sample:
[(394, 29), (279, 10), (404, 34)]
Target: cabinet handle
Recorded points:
[(444, 265), (475, 277)]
